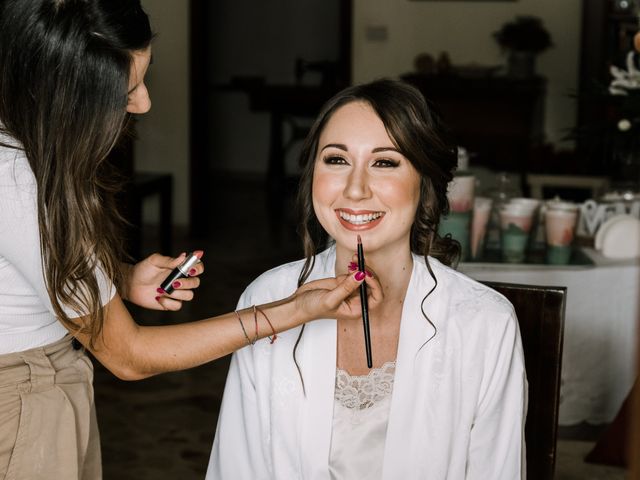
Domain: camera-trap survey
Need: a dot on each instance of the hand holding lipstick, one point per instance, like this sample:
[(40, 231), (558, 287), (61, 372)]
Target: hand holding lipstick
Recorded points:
[(144, 278)]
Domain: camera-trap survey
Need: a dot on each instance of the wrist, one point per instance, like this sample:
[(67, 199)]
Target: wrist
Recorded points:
[(285, 314), (127, 272)]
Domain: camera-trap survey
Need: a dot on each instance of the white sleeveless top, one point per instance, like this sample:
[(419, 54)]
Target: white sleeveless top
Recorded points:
[(27, 319), (360, 417)]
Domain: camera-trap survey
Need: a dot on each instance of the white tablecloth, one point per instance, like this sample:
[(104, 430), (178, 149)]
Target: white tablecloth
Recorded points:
[(598, 367)]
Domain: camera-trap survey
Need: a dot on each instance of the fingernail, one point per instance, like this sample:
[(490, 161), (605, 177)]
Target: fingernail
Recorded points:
[(353, 266), (176, 284), (192, 272), (158, 299), (368, 273), (160, 291), (359, 276)]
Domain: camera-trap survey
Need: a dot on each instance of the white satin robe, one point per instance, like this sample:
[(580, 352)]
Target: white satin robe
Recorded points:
[(459, 398)]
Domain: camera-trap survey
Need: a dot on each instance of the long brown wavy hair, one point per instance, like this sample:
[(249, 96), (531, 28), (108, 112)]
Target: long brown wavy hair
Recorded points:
[(64, 73), (420, 136)]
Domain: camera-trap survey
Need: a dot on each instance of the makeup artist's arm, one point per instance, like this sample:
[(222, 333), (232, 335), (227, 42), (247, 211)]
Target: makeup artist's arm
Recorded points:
[(132, 352), (142, 280)]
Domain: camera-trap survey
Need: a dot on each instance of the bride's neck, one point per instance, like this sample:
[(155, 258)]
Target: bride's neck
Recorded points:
[(392, 267)]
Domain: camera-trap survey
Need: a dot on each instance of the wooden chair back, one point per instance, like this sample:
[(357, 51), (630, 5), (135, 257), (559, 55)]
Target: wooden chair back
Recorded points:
[(540, 311)]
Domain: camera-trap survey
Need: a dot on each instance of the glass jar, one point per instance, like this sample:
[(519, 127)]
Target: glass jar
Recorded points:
[(505, 189)]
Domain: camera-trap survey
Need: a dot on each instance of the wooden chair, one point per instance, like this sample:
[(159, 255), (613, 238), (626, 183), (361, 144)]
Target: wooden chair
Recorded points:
[(540, 312)]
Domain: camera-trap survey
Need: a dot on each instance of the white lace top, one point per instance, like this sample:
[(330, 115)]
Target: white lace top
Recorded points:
[(360, 417)]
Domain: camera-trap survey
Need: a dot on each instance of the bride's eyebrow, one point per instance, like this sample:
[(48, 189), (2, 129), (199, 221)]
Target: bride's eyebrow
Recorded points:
[(385, 149), (339, 146)]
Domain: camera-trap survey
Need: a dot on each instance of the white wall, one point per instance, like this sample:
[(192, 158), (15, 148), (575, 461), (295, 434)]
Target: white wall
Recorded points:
[(464, 29), (163, 133)]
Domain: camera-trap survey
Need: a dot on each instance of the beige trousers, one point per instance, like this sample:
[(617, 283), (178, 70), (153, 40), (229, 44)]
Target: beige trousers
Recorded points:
[(48, 427)]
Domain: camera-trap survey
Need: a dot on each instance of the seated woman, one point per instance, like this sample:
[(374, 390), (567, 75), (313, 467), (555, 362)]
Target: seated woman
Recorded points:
[(446, 398)]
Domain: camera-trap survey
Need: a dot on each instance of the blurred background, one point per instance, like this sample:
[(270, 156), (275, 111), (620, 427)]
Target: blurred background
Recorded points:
[(235, 84)]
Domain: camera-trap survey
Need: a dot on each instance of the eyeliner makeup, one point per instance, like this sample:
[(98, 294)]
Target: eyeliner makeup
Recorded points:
[(365, 306), (181, 271)]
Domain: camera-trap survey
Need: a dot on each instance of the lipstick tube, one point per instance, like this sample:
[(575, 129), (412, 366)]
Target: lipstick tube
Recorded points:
[(181, 271)]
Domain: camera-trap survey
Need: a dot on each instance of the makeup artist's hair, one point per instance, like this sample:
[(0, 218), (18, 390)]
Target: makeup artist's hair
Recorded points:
[(417, 133), (64, 74)]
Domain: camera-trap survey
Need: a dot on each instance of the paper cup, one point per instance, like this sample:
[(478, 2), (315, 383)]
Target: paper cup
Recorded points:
[(479, 222), (560, 225), (461, 192), (515, 225), (457, 224)]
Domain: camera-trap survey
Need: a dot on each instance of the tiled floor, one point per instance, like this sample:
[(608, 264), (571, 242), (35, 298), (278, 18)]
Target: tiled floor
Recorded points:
[(162, 428)]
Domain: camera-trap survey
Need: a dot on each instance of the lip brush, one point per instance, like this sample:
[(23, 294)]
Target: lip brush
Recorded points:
[(365, 306)]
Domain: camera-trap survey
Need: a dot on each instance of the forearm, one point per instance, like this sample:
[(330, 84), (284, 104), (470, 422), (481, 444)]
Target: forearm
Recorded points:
[(176, 347), (134, 352)]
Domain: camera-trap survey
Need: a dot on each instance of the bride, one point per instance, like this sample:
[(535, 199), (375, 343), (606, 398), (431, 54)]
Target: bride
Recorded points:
[(446, 398)]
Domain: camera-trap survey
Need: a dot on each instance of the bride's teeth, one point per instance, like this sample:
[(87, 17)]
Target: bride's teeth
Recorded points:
[(361, 218)]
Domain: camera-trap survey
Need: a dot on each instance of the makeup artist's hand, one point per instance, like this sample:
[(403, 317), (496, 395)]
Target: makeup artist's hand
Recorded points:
[(143, 279), (337, 297)]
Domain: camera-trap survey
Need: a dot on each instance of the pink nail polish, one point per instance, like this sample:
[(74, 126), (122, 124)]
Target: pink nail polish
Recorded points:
[(353, 266), (368, 273), (176, 284), (359, 276), (158, 299), (192, 272), (160, 291)]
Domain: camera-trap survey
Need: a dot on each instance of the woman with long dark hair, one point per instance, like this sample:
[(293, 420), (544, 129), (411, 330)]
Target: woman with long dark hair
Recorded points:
[(446, 397), (71, 73)]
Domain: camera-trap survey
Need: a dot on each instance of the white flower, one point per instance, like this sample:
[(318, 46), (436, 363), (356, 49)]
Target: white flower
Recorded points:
[(624, 125), (625, 80)]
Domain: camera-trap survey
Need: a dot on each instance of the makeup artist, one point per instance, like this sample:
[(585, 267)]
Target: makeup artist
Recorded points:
[(71, 72), (446, 397)]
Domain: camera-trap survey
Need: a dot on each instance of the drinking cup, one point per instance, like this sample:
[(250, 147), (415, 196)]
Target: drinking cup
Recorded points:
[(457, 224), (534, 205), (560, 225), (461, 192), (479, 222), (515, 227)]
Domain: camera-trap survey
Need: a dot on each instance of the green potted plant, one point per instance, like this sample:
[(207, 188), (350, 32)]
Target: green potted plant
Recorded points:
[(522, 39)]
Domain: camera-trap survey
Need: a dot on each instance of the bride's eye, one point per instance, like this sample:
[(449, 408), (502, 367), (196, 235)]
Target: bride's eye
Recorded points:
[(386, 163), (334, 160)]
